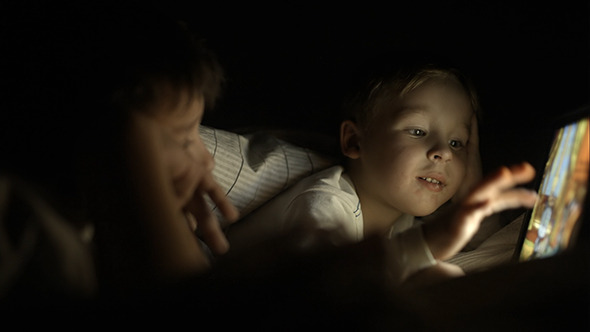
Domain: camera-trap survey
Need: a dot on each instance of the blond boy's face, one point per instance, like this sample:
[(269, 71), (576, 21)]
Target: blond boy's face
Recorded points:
[(413, 158)]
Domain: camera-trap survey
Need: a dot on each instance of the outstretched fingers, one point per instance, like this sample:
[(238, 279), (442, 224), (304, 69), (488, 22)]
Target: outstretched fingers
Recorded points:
[(496, 193), (503, 179), (512, 199)]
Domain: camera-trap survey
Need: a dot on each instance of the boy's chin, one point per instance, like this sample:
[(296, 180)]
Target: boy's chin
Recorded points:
[(421, 213), (434, 211)]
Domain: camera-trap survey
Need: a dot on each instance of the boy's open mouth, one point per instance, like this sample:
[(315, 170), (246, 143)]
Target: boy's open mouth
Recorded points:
[(432, 183), (431, 180)]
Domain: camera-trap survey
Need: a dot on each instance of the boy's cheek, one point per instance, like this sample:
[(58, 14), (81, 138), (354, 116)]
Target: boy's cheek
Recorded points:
[(175, 162), (185, 183), (462, 163), (183, 170)]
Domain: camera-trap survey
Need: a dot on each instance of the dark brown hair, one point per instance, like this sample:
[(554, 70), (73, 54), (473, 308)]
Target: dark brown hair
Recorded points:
[(80, 70)]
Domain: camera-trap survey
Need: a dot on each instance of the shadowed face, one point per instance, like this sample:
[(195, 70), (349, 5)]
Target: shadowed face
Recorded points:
[(184, 153)]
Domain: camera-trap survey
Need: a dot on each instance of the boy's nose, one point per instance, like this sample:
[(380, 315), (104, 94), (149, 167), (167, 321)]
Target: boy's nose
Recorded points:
[(200, 155), (206, 158), (440, 153)]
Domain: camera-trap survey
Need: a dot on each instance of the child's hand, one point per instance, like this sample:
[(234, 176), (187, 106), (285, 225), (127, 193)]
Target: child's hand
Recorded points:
[(450, 232), (207, 224), (473, 171)]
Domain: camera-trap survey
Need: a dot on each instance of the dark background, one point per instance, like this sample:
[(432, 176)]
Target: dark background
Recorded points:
[(285, 61)]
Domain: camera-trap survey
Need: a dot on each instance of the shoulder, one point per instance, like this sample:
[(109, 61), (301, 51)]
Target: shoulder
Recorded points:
[(330, 180), (328, 203), (328, 188)]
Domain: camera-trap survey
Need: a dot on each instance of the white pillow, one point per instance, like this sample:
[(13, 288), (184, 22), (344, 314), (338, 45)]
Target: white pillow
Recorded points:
[(254, 168)]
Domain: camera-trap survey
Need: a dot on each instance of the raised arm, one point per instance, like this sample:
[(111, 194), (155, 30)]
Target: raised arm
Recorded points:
[(448, 233)]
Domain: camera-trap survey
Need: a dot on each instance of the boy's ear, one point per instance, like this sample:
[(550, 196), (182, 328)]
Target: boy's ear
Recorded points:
[(350, 139)]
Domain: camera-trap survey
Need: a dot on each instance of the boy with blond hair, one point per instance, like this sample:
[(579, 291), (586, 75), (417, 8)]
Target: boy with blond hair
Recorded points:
[(411, 148)]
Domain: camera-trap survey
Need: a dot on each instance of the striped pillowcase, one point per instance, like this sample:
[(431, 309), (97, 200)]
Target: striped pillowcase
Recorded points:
[(254, 168)]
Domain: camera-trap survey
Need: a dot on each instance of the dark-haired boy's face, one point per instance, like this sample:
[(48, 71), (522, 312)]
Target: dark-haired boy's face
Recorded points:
[(179, 178), (414, 159), (188, 160)]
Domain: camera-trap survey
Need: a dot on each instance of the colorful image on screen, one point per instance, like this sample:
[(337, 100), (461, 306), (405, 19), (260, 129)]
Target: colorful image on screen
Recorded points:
[(561, 194)]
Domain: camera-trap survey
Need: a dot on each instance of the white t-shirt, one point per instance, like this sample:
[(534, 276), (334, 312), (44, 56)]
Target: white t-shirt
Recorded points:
[(327, 200)]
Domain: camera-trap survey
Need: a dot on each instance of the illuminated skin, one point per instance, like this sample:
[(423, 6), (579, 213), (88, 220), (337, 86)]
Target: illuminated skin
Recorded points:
[(498, 191), (413, 158)]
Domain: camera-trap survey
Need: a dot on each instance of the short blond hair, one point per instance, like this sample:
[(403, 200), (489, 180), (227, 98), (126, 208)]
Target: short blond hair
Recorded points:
[(387, 89)]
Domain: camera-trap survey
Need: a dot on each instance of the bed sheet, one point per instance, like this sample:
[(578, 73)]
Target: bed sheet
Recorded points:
[(497, 249)]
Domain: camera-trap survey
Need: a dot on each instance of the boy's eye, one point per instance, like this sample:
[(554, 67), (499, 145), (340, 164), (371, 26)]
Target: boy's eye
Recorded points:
[(455, 144), (417, 132)]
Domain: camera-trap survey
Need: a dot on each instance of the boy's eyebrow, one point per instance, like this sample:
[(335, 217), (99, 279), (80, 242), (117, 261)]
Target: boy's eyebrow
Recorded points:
[(420, 109), (416, 109), (412, 109)]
